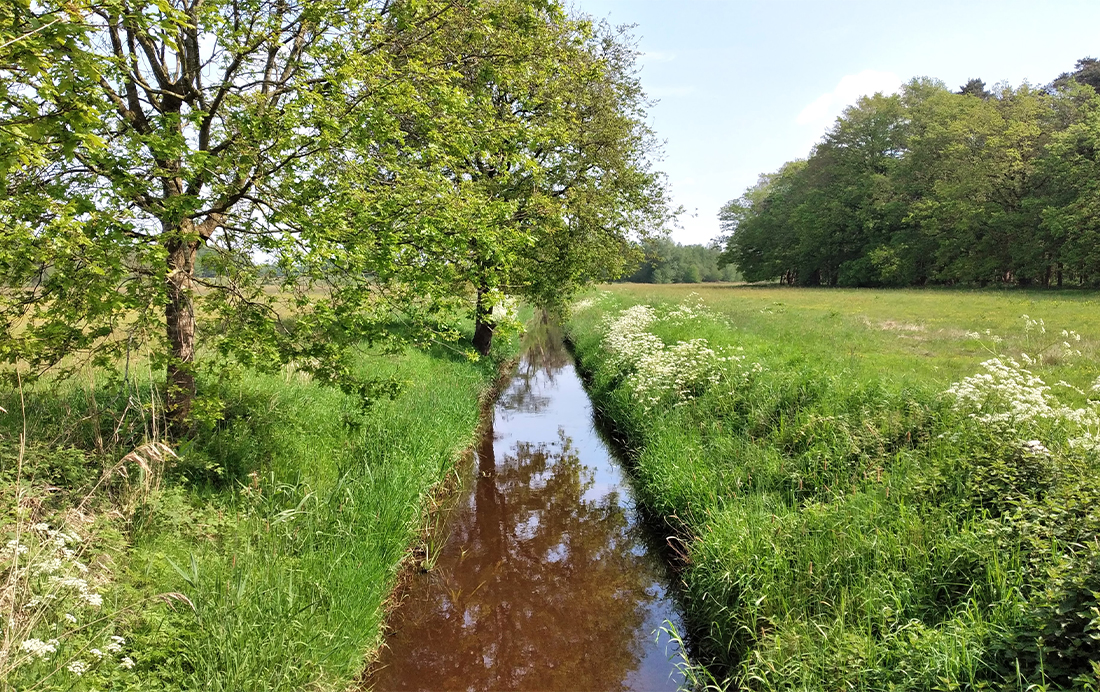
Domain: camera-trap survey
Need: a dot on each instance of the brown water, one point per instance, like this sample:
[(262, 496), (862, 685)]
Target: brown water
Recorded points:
[(544, 578)]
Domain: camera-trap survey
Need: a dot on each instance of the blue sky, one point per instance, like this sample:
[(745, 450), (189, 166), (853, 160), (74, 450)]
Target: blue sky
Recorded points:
[(745, 86)]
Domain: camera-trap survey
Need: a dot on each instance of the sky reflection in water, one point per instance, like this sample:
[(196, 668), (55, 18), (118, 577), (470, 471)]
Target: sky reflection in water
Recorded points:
[(545, 581)]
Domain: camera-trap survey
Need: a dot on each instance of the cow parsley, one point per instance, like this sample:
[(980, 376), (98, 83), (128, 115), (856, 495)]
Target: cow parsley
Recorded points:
[(1009, 397), (655, 371), (39, 648)]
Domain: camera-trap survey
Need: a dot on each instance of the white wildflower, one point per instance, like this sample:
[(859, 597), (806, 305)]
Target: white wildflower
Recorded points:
[(1007, 396), (1086, 442), (655, 371), (49, 565), (75, 583), (99, 655), (126, 662), (78, 667), (1067, 385), (1036, 447), (39, 648), (1006, 393), (14, 547), (70, 617), (62, 540)]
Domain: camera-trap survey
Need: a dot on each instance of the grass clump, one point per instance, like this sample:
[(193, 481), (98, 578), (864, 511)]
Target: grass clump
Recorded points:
[(257, 556), (847, 524)]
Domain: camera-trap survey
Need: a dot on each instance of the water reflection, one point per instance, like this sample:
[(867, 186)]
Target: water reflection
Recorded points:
[(544, 355), (544, 582)]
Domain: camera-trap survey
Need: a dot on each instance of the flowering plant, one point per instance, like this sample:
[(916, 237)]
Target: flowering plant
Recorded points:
[(1009, 397), (51, 604), (657, 372)]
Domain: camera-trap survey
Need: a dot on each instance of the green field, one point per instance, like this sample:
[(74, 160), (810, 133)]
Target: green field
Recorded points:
[(898, 334), (847, 524), (259, 559)]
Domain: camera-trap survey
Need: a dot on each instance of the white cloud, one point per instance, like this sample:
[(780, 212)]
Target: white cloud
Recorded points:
[(827, 107)]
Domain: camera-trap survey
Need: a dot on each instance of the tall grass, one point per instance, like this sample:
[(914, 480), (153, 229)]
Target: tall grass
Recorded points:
[(844, 525), (261, 558)]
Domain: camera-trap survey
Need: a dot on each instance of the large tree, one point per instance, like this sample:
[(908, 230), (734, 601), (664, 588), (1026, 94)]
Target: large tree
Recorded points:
[(214, 113), (1071, 210), (258, 129), (931, 185), (547, 175), (1087, 72)]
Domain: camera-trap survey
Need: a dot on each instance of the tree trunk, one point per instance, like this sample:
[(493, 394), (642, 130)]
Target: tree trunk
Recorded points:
[(179, 317), (488, 502), (483, 322)]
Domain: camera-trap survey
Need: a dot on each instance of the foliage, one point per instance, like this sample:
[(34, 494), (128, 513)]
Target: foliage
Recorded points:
[(545, 167), (850, 522), (665, 261), (346, 145), (53, 627), (656, 372), (1087, 72), (930, 186), (262, 558)]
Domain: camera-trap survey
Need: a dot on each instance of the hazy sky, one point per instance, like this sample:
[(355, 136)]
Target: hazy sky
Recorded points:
[(745, 86)]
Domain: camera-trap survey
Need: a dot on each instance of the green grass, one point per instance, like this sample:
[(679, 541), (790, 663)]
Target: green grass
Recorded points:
[(911, 334), (844, 527), (278, 533)]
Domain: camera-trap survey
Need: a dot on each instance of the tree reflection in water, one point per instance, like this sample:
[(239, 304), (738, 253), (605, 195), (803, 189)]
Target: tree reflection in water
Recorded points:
[(544, 356), (544, 582), (537, 587)]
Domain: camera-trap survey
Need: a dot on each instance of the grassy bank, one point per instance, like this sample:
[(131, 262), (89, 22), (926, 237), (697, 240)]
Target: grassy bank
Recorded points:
[(857, 510), (260, 558)]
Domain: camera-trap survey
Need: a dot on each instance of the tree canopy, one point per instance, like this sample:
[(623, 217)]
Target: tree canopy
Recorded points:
[(932, 186), (339, 165), (664, 261)]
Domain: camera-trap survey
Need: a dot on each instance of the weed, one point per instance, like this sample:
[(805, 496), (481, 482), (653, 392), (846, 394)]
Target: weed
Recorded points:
[(259, 555), (855, 518)]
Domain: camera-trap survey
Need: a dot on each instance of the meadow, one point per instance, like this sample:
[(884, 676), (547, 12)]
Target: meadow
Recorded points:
[(872, 489), (258, 555)]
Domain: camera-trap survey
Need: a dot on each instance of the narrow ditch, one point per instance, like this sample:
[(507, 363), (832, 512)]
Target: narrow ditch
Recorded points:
[(545, 575)]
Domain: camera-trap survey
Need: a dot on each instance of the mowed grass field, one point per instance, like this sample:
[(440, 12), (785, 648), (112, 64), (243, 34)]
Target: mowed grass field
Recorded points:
[(918, 334), (861, 504)]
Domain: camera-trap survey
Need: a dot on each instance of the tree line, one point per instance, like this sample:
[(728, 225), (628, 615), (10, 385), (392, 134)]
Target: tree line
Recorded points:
[(667, 262), (974, 186), (386, 164)]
